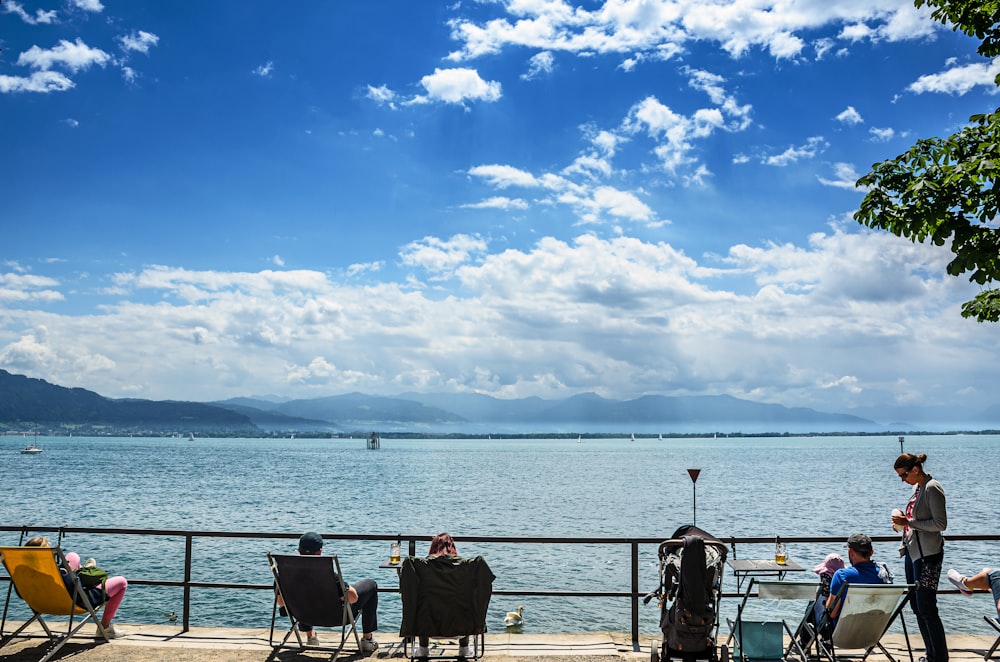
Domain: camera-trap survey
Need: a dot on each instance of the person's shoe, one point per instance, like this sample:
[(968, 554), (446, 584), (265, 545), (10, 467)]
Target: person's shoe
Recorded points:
[(368, 645), (312, 640), (959, 581), (466, 651), (420, 651), (112, 633)]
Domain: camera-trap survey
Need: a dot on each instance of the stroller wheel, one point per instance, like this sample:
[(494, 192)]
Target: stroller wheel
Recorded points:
[(723, 653)]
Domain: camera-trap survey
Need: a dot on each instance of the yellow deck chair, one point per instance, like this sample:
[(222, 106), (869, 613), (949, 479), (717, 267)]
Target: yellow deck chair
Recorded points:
[(36, 578)]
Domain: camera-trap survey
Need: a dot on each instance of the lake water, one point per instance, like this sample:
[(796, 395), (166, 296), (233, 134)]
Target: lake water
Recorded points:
[(785, 486)]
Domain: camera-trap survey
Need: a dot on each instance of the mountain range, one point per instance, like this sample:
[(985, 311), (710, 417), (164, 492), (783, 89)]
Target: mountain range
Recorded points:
[(28, 403)]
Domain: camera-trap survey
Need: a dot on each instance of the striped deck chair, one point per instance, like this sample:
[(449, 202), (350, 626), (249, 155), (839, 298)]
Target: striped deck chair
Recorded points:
[(35, 575)]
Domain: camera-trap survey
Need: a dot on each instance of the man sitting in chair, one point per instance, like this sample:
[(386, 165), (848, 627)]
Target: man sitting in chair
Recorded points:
[(862, 571), (362, 596)]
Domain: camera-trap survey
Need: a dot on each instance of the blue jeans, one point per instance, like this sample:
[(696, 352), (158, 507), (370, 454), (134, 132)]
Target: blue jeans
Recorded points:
[(994, 578), (926, 573)]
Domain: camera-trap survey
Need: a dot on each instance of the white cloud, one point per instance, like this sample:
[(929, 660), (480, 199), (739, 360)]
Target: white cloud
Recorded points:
[(503, 176), (661, 29), (88, 5), (498, 202), (959, 80), (811, 148), (39, 81), (40, 17), (845, 177), (381, 95), (540, 64), (75, 56), (850, 314), (264, 70), (441, 256), (850, 116), (882, 135), (458, 85), (140, 41)]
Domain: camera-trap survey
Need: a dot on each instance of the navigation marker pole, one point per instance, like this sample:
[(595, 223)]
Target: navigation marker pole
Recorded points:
[(694, 495)]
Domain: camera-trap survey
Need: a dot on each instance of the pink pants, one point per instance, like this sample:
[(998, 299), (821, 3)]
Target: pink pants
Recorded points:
[(116, 593)]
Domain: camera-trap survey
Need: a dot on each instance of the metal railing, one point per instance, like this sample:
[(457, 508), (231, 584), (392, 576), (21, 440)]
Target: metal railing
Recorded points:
[(634, 595)]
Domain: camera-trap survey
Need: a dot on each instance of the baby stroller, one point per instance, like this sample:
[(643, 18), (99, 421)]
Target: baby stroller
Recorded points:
[(690, 589)]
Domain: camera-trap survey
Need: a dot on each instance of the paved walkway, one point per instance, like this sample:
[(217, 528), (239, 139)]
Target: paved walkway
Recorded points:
[(159, 643)]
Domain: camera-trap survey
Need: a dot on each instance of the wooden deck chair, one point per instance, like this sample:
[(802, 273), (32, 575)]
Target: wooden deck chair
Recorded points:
[(446, 597), (313, 591), (867, 612), (995, 624), (787, 590), (36, 578)]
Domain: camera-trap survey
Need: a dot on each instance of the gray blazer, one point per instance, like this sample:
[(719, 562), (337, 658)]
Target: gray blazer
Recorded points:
[(929, 519)]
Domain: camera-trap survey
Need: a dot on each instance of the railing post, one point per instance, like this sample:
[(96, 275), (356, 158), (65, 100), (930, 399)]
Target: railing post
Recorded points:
[(187, 582), (635, 596)]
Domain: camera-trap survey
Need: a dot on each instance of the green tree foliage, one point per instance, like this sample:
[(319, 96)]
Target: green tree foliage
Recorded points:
[(947, 188)]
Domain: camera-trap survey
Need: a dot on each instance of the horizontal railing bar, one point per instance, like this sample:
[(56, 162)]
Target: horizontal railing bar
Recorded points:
[(541, 540), (634, 596)]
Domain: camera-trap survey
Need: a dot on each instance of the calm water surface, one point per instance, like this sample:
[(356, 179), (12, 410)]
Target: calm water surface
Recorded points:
[(613, 487)]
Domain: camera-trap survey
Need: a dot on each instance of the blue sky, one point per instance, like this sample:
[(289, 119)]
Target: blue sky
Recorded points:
[(512, 197)]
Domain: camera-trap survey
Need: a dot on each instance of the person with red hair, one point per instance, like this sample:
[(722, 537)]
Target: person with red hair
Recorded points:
[(443, 545)]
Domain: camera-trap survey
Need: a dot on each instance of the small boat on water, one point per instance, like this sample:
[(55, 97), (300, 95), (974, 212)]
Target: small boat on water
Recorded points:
[(191, 436), (31, 449)]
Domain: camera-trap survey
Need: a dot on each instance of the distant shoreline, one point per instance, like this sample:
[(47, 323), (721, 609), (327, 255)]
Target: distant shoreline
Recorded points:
[(361, 435)]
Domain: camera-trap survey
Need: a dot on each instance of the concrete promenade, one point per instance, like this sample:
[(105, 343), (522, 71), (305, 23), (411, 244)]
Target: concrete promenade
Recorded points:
[(158, 643)]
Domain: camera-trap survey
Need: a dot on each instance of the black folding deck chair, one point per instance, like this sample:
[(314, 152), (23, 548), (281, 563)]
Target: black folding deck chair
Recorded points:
[(313, 591), (35, 576), (995, 624), (446, 597)]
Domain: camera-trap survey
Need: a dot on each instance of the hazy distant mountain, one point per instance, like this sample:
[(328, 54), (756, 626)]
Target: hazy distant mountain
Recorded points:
[(34, 402)]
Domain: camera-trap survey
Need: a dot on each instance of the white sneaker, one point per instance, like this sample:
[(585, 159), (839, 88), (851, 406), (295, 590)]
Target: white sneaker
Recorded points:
[(420, 651), (959, 581), (112, 632), (466, 651), (368, 645), (312, 640)]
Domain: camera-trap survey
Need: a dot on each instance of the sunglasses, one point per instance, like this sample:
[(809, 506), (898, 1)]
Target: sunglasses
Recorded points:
[(903, 475)]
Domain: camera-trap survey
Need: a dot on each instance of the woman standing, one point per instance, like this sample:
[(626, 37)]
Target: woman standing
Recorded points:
[(923, 549)]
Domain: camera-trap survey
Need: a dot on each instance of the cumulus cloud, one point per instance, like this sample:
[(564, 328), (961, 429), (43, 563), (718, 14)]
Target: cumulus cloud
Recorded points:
[(847, 313), (74, 56), (439, 256), (661, 29), (850, 116), (139, 41), (539, 65), (458, 85), (795, 153), (39, 81), (845, 177), (40, 17), (88, 5), (959, 80), (882, 135)]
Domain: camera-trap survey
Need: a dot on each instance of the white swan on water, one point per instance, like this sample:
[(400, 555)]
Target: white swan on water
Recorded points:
[(514, 618)]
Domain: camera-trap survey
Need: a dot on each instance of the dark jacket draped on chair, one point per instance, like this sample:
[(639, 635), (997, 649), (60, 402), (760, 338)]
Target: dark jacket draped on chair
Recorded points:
[(444, 596)]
